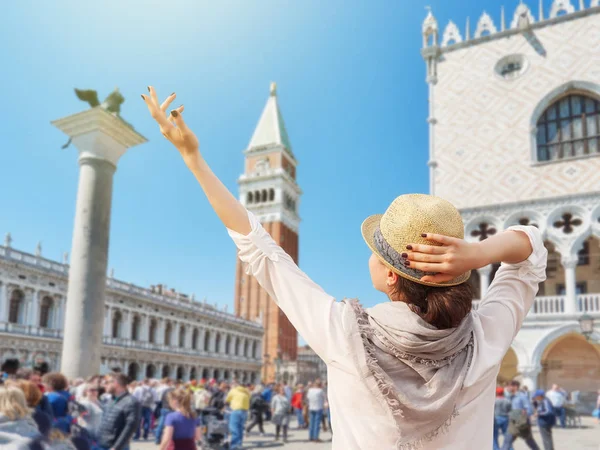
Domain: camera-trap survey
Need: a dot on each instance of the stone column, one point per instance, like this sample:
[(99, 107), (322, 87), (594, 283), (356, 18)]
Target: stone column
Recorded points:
[(127, 324), (101, 139), (144, 329), (201, 334), (34, 311), (484, 280), (3, 301), (188, 336), (569, 263), (160, 332)]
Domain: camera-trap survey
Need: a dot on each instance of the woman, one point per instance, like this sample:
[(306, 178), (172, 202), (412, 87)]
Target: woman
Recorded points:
[(280, 408), (257, 409), (33, 397), (423, 366), (297, 402), (91, 419), (502, 409), (16, 424), (182, 429)]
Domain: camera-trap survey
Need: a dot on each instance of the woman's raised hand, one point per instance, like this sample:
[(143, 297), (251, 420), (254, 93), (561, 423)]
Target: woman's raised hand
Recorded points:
[(173, 127), (450, 259)]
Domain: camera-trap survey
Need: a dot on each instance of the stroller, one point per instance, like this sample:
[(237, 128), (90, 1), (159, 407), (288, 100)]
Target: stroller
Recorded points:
[(215, 429)]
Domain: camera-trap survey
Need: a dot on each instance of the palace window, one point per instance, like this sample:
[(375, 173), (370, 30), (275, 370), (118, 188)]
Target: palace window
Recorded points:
[(116, 324), (152, 332), (195, 339), (583, 255), (15, 312), (135, 328), (580, 288), (569, 128), (46, 312)]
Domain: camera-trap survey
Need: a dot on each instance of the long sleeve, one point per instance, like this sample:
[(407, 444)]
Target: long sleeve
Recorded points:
[(315, 314), (512, 293), (132, 420)]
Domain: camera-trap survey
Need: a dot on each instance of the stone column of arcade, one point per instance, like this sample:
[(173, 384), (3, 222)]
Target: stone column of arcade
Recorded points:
[(101, 139)]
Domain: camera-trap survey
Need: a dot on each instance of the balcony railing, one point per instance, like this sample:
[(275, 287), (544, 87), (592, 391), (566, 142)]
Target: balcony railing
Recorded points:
[(554, 306), (30, 330)]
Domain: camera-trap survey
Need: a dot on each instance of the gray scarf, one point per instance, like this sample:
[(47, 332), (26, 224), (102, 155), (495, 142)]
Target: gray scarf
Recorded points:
[(414, 369)]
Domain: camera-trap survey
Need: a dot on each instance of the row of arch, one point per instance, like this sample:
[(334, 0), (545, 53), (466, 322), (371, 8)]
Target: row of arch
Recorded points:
[(258, 196), (234, 346), (47, 310), (137, 371)]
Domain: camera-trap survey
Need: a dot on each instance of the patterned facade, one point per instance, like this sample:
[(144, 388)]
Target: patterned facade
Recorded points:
[(268, 188), (147, 332), (515, 139)]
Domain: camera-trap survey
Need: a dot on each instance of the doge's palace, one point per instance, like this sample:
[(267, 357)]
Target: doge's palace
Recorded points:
[(154, 332), (514, 128)]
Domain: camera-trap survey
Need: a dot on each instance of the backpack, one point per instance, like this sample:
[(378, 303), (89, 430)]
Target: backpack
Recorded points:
[(201, 399), (518, 423), (147, 397)]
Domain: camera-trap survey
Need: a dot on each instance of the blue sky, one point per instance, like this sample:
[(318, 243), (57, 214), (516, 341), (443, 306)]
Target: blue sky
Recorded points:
[(352, 90)]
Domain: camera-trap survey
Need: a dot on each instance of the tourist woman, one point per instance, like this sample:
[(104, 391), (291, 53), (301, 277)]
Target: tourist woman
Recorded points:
[(422, 367), (280, 412), (297, 403), (17, 426), (182, 428), (33, 398), (56, 390), (94, 410), (257, 409)]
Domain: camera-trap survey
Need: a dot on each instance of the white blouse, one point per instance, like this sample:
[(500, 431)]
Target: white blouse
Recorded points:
[(359, 420)]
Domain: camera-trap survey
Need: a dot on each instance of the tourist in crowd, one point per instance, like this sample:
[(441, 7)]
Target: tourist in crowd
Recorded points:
[(9, 368), (596, 412), (315, 398), (201, 398), (546, 418), (57, 391), (94, 410), (558, 398), (280, 410), (165, 410), (218, 398), (257, 409), (144, 395), (17, 425), (182, 428), (502, 409), (267, 397), (238, 400), (287, 391), (297, 403), (33, 398), (519, 425), (121, 417)]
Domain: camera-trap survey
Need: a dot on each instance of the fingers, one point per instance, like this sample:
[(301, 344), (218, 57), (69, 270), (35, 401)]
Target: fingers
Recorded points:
[(177, 117), (426, 267), (430, 249), (424, 257), (446, 240), (153, 95), (167, 102), (171, 118), (440, 278)]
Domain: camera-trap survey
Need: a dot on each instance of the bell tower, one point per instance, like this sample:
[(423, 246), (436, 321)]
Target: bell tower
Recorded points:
[(268, 188)]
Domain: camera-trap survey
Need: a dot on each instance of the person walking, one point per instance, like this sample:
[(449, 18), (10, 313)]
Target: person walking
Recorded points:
[(422, 366), (519, 425), (546, 418), (182, 426), (315, 398), (267, 397), (502, 410), (144, 395), (558, 398), (280, 410), (257, 409), (121, 418), (238, 400), (297, 403)]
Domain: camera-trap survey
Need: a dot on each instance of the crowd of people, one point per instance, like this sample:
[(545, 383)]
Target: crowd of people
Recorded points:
[(516, 409), (41, 410)]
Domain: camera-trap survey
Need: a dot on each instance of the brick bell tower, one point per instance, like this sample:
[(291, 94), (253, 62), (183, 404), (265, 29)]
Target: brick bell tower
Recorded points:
[(268, 188)]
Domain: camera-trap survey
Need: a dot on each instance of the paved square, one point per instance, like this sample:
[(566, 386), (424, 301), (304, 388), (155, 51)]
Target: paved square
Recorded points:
[(586, 438)]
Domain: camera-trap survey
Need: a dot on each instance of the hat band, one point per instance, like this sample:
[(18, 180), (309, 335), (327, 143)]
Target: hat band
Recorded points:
[(395, 259)]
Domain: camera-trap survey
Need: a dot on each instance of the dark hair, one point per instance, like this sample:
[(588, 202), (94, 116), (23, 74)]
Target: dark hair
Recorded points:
[(443, 307), (56, 380), (10, 366), (120, 378), (515, 383)]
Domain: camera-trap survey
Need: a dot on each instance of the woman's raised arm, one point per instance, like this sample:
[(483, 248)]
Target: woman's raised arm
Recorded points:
[(231, 212)]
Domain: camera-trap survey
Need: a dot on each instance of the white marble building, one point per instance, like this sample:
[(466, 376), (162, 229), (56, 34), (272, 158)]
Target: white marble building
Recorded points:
[(515, 139), (147, 332)]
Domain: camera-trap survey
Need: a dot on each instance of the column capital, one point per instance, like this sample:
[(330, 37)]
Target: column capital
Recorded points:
[(569, 261)]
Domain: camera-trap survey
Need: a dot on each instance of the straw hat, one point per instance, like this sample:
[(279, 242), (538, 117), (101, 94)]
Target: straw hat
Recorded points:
[(387, 235)]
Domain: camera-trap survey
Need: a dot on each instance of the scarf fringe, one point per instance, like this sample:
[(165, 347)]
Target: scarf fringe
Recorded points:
[(385, 390)]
